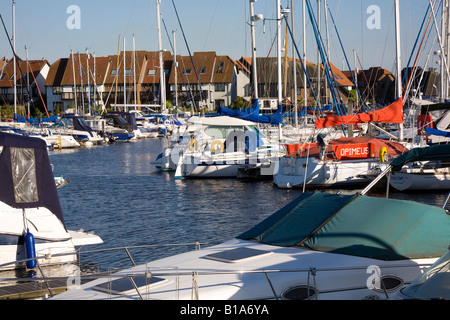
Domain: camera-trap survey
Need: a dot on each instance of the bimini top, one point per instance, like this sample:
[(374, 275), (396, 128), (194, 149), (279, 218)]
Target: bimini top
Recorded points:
[(378, 228), (219, 121), (436, 152), (26, 177)]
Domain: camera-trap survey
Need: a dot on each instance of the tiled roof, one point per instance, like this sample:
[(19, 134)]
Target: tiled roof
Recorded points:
[(7, 72)]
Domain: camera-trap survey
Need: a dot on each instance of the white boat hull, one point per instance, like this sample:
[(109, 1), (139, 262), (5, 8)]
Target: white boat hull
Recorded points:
[(295, 172), (194, 275), (420, 181)]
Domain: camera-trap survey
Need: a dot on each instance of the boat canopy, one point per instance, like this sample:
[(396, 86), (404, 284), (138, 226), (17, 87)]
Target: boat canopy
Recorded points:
[(26, 176), (252, 114), (431, 153), (393, 113), (371, 227)]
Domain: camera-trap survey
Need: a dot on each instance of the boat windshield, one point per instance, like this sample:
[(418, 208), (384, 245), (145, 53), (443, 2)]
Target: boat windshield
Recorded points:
[(434, 283), (222, 132), (65, 122)]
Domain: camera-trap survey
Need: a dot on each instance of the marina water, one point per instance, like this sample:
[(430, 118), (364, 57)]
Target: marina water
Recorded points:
[(116, 192)]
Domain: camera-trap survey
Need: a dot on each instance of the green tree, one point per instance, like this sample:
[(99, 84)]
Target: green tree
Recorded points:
[(240, 103)]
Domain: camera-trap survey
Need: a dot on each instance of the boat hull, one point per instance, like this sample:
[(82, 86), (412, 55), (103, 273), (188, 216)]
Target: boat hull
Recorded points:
[(272, 275), (420, 181), (295, 172)]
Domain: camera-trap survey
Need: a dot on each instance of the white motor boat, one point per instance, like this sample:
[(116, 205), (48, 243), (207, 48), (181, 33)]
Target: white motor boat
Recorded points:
[(222, 146), (320, 246), (32, 223)]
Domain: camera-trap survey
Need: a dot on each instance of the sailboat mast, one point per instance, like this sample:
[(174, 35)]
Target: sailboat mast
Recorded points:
[(305, 92), (74, 85), (252, 28), (280, 98), (124, 78), (161, 65), (14, 55), (294, 67), (399, 60), (175, 69)]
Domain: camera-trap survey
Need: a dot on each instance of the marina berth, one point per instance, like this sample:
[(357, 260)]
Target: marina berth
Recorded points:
[(320, 246), (32, 222)]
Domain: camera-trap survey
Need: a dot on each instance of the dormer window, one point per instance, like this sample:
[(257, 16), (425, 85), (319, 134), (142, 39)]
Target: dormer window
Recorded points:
[(203, 70), (220, 70), (151, 72)]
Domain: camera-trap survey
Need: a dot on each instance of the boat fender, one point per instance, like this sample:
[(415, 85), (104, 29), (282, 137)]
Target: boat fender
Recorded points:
[(30, 250), (219, 143), (383, 154), (167, 123), (193, 145)]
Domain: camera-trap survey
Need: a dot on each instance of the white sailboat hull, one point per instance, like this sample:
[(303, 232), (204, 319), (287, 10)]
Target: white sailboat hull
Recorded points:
[(294, 172)]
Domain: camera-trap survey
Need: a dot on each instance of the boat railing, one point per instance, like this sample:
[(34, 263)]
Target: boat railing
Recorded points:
[(76, 279)]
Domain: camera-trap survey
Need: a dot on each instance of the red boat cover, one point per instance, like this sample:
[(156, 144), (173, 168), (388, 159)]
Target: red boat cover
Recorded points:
[(353, 148), (393, 113)]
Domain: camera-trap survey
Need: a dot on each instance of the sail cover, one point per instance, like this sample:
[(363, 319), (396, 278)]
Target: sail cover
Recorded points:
[(393, 113), (252, 114), (378, 228), (431, 153), (26, 177)]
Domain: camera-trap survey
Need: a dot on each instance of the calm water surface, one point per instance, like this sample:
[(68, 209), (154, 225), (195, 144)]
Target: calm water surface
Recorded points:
[(116, 192)]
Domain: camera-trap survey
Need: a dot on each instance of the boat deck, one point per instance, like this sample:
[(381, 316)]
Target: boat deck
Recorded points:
[(36, 289)]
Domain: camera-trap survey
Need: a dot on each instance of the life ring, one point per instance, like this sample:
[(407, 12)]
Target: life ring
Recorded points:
[(383, 154), (215, 143), (193, 145)]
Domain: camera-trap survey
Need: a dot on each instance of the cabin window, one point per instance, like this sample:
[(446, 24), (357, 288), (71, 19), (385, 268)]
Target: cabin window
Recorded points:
[(23, 167)]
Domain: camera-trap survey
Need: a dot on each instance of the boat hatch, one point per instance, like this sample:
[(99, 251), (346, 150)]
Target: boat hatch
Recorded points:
[(301, 292), (237, 255), (388, 283), (124, 286)]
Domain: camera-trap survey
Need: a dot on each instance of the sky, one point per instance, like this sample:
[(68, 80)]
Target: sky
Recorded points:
[(51, 29)]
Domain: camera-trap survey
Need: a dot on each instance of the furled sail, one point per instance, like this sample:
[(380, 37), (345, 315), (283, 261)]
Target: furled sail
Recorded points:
[(393, 113), (252, 114)]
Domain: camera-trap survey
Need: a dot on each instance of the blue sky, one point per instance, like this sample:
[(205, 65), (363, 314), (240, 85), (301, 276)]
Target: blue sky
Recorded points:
[(209, 25)]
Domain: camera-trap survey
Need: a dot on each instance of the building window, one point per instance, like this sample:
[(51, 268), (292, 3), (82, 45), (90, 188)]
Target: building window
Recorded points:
[(56, 90), (203, 70), (128, 72), (114, 72), (187, 71), (151, 72), (2, 76), (220, 70), (220, 87)]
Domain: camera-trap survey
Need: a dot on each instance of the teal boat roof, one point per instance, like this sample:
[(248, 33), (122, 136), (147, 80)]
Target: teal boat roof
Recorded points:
[(372, 227), (435, 152)]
